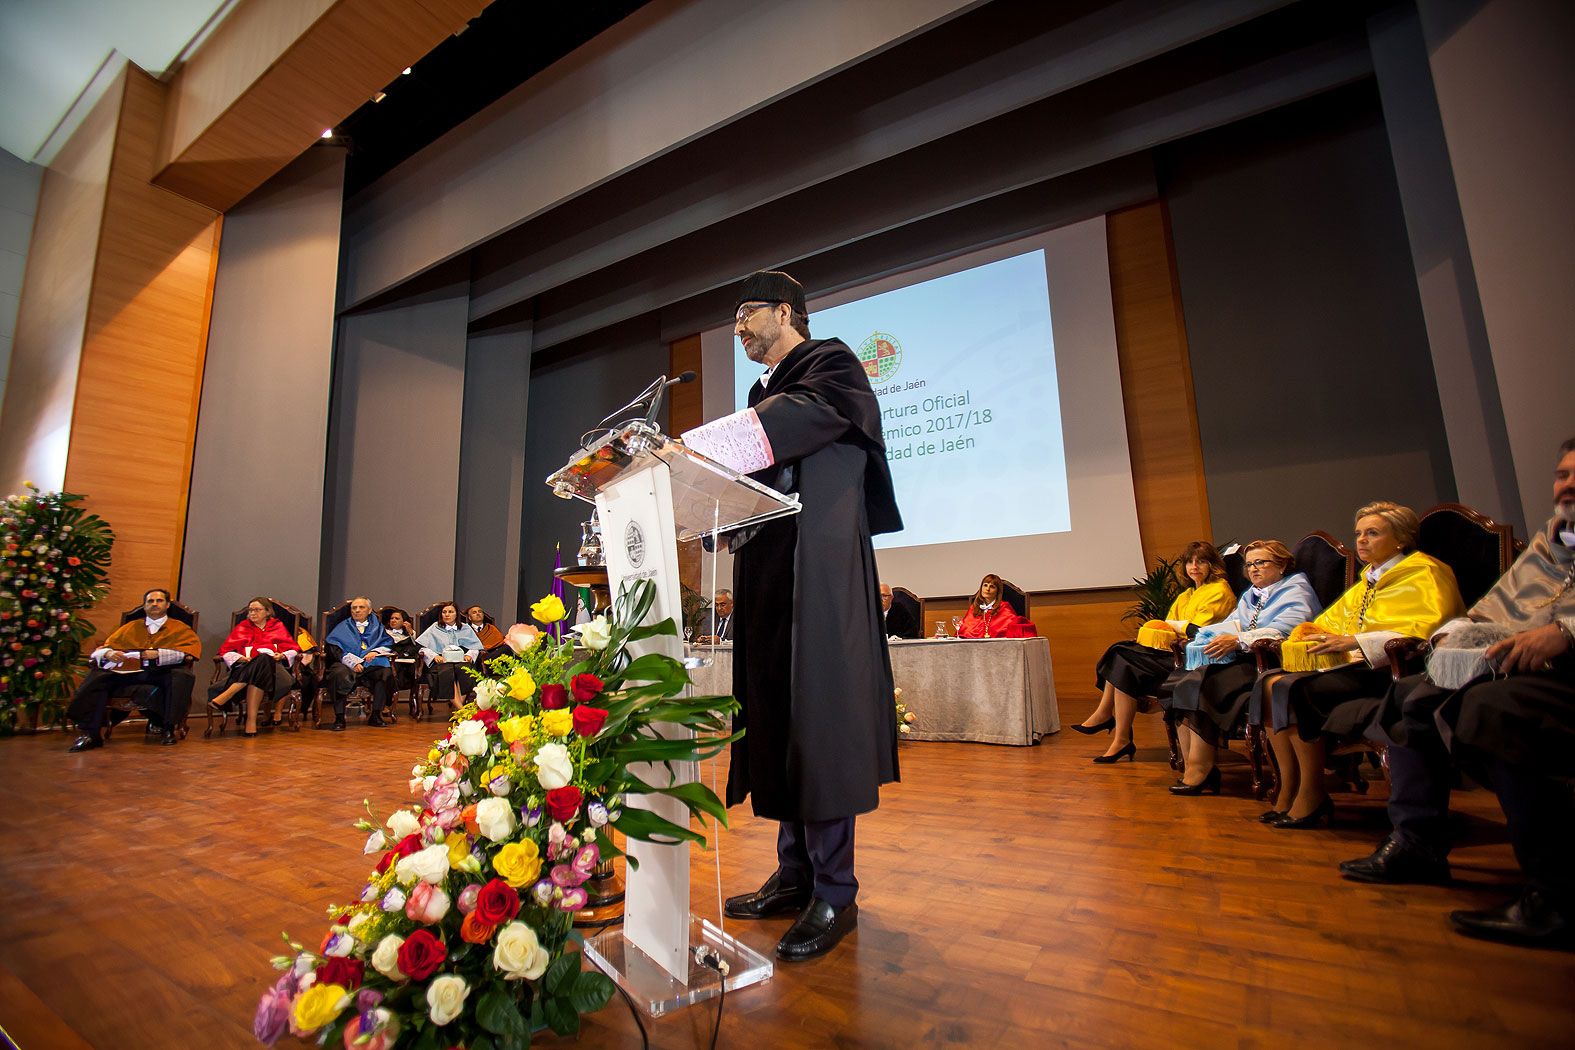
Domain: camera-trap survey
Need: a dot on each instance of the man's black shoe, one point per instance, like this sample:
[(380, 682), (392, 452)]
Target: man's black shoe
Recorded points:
[(1398, 861), (85, 743), (817, 931), (168, 739), (771, 899), (376, 722), (1530, 919), (338, 726)]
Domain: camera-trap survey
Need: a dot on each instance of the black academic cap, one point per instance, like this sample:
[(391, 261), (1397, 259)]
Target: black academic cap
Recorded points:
[(771, 286)]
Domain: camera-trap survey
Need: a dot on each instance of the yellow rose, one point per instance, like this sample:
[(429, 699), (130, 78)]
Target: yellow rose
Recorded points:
[(548, 610), (458, 849), (519, 727), (518, 863), (557, 723), (521, 685), (318, 1006)]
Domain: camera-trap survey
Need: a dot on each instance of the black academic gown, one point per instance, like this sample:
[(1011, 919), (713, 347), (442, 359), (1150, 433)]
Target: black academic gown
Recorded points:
[(810, 666)]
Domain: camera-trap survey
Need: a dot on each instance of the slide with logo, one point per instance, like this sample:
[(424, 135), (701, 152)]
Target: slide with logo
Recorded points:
[(964, 368)]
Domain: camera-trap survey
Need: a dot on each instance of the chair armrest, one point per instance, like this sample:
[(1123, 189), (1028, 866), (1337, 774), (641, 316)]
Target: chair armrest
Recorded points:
[(1178, 653), (1405, 656), (1267, 652)]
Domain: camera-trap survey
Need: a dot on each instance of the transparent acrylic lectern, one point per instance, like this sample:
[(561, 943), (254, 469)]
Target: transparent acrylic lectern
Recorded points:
[(652, 492)]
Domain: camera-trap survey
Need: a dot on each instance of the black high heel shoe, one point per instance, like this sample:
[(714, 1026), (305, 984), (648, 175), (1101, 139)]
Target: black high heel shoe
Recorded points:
[(1210, 785), (1270, 816), (1102, 727), (1321, 815), (1127, 752)]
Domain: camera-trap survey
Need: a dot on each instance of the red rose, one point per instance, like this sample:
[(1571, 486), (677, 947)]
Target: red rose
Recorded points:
[(497, 903), (421, 955), (553, 697), (588, 720), (585, 687), (346, 973), (489, 718), (408, 845), (563, 803), (382, 865)]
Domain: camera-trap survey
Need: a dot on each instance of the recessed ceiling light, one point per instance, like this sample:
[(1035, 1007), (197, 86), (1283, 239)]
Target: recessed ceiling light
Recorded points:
[(328, 133), (406, 73)]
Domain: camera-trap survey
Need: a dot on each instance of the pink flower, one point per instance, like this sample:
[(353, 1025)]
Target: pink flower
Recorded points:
[(427, 904), (442, 796), (467, 898), (273, 1012), (371, 1029), (521, 637), (573, 900)]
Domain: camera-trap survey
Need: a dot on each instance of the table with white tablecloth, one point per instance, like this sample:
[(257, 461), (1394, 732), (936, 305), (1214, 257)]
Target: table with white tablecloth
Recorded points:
[(989, 690)]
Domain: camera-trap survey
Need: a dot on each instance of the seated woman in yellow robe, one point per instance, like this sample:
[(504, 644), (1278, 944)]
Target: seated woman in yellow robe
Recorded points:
[(1129, 670), (1339, 657)]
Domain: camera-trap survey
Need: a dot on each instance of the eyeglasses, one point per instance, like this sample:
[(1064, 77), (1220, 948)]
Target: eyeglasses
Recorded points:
[(748, 310), (1260, 563)]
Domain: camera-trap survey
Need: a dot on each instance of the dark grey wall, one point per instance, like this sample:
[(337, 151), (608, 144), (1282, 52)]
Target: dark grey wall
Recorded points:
[(1314, 382), (255, 515), (393, 457), (569, 392), (492, 470)]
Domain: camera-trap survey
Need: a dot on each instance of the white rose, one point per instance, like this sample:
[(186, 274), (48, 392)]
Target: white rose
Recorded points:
[(595, 634), (495, 818), (470, 736), (428, 865), (385, 957), (519, 954), (402, 823), (446, 997), (488, 692), (554, 768)]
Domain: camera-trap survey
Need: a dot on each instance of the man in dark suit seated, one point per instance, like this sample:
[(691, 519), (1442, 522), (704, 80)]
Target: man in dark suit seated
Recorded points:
[(1498, 700), (154, 651), (722, 609), (366, 647), (900, 622)]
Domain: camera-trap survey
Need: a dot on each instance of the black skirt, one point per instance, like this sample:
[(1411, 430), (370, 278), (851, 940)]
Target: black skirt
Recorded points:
[(1526, 720), (1211, 700), (1338, 701), (1134, 669), (271, 676)]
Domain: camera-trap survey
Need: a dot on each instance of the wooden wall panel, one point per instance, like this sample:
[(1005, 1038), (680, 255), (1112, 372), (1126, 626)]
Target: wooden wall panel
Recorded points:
[(685, 411), (140, 378), (52, 316), (275, 73)]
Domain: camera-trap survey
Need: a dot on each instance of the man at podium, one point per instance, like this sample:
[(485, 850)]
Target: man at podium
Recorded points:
[(810, 666)]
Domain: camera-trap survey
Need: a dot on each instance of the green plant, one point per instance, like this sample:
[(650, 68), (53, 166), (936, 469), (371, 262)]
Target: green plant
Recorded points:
[(695, 607), (55, 566), (1155, 592)]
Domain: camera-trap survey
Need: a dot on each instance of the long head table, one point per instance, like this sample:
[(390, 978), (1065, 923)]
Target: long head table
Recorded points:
[(993, 691)]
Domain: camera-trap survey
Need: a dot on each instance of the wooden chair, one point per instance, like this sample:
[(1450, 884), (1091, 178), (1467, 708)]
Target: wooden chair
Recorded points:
[(132, 702), (1014, 594), (290, 705), (911, 605), (406, 675)]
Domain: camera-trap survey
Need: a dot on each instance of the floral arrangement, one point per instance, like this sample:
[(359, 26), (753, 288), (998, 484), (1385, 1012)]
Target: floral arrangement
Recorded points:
[(461, 935), (905, 718), (56, 566)]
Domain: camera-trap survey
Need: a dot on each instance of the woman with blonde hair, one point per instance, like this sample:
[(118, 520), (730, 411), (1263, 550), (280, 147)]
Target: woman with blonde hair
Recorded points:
[(1339, 656), (1129, 670), (1208, 699)]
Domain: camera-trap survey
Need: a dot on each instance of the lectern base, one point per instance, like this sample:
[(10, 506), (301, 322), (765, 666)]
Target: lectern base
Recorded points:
[(654, 990)]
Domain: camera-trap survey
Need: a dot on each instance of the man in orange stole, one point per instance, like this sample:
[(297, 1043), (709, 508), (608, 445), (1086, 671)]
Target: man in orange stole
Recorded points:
[(151, 651)]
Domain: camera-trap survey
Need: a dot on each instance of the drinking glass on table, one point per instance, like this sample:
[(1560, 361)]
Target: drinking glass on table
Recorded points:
[(940, 629), (957, 626)]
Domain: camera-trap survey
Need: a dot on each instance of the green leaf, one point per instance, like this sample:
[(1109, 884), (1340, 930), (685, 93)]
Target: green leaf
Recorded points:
[(477, 1042), (592, 989), (642, 824), (497, 1012), (562, 1016), (561, 972), (695, 795), (666, 627)]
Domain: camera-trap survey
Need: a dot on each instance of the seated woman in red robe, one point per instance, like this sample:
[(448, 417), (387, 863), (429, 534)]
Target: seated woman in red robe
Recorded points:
[(989, 615), (258, 653)]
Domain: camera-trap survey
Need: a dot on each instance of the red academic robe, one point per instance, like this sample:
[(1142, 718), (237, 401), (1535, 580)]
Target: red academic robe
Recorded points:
[(999, 623), (271, 635)]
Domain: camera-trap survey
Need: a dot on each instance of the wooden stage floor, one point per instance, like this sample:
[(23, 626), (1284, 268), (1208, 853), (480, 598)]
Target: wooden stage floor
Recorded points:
[(1014, 897)]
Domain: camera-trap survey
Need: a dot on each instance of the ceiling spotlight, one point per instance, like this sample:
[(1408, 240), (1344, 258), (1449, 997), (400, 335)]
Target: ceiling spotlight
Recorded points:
[(406, 73), (328, 133)]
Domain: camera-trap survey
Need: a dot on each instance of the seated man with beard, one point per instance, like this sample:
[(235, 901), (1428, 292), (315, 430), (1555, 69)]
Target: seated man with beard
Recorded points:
[(1515, 734)]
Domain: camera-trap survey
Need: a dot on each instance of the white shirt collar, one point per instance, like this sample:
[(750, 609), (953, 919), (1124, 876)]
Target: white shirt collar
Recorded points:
[(360, 625), (1373, 572), (154, 625), (1261, 594)]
